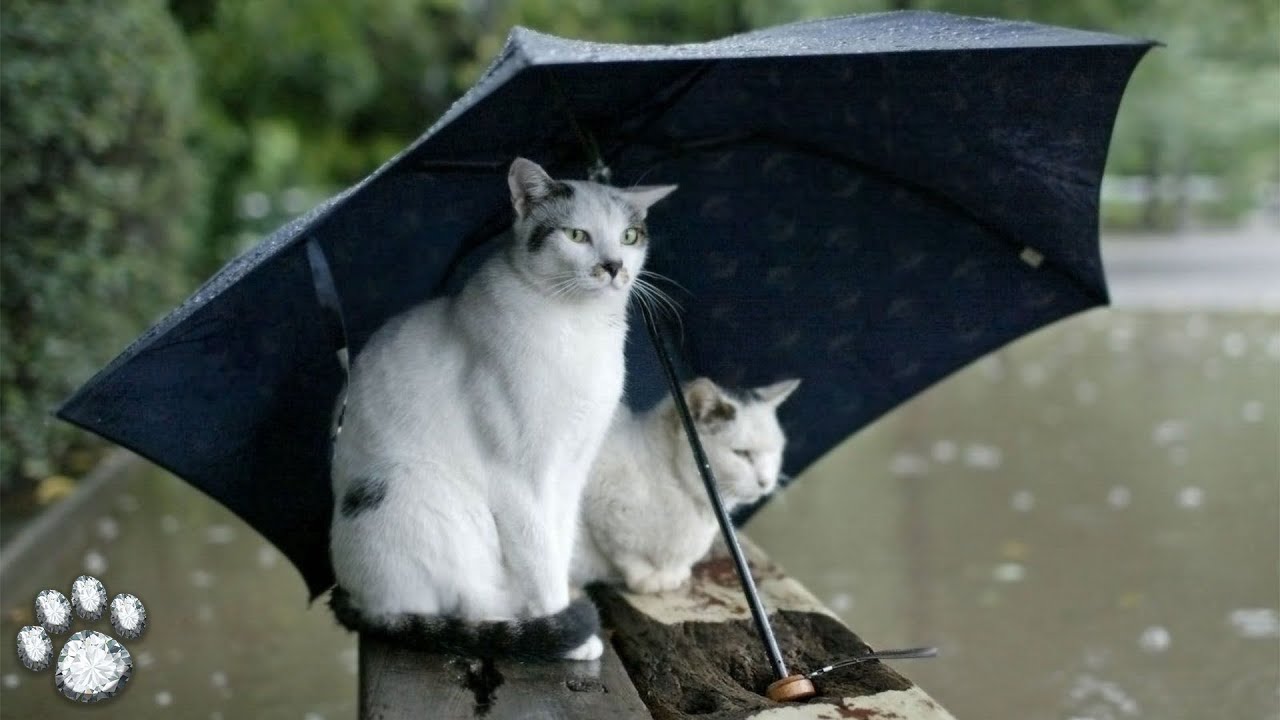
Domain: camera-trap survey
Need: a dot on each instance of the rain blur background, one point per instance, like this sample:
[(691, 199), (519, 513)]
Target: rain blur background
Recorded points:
[(1087, 521)]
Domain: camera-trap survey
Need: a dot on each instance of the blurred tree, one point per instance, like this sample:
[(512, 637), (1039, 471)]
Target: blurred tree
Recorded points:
[(99, 192)]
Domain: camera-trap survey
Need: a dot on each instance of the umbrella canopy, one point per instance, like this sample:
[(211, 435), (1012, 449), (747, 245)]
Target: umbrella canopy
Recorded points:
[(867, 202)]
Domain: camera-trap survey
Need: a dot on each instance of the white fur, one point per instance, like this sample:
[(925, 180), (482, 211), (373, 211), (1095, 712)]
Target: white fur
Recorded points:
[(645, 514), (483, 412)]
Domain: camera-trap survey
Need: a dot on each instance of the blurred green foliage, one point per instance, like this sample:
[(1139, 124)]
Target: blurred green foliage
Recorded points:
[(99, 192), (116, 144)]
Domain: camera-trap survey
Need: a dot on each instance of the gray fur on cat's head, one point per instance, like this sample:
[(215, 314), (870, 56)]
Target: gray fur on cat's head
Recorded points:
[(576, 239), (741, 436)]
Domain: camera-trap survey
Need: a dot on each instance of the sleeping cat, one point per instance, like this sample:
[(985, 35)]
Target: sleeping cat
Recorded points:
[(645, 514), (470, 425)]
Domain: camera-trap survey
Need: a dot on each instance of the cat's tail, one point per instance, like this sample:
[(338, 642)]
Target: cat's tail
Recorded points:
[(549, 637)]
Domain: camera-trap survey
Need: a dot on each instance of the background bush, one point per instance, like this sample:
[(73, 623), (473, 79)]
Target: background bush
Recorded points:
[(98, 197)]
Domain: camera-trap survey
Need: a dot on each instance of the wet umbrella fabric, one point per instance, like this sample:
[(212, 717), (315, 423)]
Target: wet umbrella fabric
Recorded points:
[(868, 203)]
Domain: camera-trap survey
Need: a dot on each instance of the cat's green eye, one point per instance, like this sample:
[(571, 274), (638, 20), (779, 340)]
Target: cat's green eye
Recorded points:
[(631, 236), (576, 235)]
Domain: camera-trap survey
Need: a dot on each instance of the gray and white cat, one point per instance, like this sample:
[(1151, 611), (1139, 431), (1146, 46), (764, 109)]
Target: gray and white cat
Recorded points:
[(470, 425), (645, 514)]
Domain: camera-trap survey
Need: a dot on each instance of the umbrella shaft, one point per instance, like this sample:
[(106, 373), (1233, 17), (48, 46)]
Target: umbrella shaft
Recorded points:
[(758, 613)]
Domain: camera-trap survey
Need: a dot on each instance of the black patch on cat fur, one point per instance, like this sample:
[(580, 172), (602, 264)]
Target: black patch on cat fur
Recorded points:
[(363, 494), (538, 237), (714, 414), (542, 638), (721, 412), (559, 191)]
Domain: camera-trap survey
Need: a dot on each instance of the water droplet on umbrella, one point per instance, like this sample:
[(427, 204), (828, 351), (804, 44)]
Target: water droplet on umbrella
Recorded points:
[(164, 698)]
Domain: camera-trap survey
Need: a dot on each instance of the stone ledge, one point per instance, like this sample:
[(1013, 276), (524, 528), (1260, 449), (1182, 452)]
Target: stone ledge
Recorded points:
[(694, 652)]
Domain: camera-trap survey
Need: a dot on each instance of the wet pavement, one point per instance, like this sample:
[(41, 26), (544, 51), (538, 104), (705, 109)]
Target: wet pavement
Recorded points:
[(1087, 522), (229, 633)]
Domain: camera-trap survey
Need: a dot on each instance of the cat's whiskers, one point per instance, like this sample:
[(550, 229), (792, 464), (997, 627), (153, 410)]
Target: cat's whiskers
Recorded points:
[(661, 296), (562, 285), (666, 278), (658, 302)]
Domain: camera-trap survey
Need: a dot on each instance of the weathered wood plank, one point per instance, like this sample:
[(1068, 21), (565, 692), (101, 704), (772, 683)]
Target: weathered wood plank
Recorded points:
[(397, 683), (694, 652)]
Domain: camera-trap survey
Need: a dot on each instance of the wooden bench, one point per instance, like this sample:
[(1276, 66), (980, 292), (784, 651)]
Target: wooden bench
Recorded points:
[(684, 654)]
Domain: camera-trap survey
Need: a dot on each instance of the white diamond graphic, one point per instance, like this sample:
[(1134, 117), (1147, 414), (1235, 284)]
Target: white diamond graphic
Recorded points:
[(88, 597), (128, 616), (53, 611), (92, 667), (35, 649)]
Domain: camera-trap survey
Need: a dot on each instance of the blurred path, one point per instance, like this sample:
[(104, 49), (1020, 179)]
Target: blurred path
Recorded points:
[(1208, 269)]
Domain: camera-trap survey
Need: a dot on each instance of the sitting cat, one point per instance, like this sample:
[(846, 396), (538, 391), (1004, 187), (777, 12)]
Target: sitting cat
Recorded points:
[(470, 425), (645, 516)]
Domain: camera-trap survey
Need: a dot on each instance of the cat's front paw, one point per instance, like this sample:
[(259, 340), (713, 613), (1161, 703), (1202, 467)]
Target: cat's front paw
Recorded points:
[(658, 581), (592, 649)]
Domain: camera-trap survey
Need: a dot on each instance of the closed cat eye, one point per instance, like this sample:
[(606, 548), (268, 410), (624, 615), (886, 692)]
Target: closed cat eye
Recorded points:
[(631, 236), (578, 236)]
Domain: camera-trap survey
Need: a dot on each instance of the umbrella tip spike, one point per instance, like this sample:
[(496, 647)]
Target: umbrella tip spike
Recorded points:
[(792, 688)]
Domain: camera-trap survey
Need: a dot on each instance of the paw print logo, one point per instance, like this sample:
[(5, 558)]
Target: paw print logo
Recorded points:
[(92, 666)]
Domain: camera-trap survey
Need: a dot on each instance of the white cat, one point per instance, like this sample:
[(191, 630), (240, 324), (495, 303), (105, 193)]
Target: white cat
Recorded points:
[(470, 425), (645, 514)]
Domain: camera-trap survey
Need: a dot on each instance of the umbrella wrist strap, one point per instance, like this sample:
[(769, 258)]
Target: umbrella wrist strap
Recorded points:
[(331, 307), (758, 613)]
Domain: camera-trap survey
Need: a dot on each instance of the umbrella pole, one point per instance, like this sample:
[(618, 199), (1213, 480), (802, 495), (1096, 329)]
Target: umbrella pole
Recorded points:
[(785, 687)]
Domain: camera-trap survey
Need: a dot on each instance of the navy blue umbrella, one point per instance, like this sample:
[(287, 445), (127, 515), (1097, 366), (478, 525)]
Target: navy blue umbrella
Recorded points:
[(868, 203)]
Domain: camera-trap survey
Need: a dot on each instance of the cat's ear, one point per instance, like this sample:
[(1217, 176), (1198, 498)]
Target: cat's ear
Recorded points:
[(776, 393), (529, 184), (644, 196), (707, 403)]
